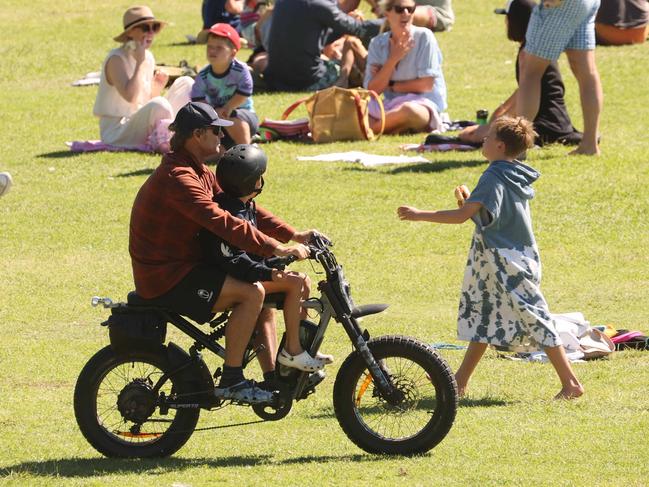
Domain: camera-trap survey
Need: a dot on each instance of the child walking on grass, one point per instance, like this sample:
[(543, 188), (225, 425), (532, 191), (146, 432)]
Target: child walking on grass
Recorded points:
[(501, 302)]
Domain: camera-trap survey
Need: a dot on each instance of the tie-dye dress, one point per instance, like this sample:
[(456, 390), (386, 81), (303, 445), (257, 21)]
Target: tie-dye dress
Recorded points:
[(501, 302)]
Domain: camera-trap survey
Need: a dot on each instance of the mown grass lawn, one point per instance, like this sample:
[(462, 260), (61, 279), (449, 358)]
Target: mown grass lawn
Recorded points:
[(64, 237)]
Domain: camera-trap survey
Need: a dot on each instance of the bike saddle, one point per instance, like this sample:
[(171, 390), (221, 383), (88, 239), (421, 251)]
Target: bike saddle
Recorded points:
[(368, 309)]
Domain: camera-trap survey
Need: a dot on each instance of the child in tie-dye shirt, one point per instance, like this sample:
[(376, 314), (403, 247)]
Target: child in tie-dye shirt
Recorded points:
[(501, 302)]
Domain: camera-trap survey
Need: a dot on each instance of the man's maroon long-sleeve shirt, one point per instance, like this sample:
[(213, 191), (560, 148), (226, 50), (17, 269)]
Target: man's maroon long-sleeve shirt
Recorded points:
[(170, 209)]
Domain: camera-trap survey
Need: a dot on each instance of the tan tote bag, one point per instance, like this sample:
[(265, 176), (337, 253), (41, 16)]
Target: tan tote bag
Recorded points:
[(337, 114)]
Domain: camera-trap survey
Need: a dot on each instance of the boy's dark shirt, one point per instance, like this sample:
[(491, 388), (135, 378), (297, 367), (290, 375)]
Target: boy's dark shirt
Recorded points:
[(170, 210), (237, 263)]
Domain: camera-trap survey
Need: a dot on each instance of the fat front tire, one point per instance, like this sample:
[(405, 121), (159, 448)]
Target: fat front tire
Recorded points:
[(117, 410), (419, 420)]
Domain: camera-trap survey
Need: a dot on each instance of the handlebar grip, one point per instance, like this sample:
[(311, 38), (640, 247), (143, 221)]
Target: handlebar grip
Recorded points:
[(280, 263)]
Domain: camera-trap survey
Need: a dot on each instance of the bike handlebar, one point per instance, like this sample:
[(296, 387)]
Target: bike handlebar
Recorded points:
[(280, 263), (316, 245)]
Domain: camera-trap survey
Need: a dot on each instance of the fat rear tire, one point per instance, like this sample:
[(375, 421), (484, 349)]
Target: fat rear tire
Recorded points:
[(100, 435)]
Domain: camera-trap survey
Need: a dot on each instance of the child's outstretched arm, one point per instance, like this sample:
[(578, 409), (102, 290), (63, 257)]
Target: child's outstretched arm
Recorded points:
[(444, 216)]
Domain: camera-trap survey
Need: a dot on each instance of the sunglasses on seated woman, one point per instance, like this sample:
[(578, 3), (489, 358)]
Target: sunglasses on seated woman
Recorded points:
[(154, 27), (401, 9)]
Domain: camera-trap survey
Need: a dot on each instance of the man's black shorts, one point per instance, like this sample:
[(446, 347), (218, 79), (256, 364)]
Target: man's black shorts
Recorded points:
[(196, 294)]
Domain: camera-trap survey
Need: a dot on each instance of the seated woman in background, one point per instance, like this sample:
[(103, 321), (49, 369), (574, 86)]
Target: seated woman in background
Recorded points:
[(620, 22), (552, 123), (437, 15), (128, 103), (405, 64), (219, 12)]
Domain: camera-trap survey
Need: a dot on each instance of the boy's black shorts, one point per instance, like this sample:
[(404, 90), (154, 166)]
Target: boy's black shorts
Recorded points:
[(196, 294)]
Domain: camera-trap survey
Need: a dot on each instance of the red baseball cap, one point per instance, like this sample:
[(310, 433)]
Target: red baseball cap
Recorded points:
[(227, 31)]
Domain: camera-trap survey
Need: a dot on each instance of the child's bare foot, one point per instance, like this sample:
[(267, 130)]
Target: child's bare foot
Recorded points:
[(572, 392), (461, 388)]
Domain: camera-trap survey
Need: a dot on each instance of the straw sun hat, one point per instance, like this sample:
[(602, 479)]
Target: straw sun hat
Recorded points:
[(135, 16)]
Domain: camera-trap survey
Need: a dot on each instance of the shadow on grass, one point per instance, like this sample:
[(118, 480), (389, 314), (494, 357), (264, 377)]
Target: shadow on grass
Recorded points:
[(139, 172), (423, 167), (59, 154), (485, 402), (323, 415), (358, 457), (439, 166), (92, 467)]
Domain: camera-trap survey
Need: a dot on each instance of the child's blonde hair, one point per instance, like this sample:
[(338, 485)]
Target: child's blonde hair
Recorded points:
[(517, 133)]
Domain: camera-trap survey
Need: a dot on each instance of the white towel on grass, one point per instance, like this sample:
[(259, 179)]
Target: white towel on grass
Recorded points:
[(367, 160)]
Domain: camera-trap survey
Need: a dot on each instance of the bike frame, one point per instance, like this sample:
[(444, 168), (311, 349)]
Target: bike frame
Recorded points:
[(334, 302)]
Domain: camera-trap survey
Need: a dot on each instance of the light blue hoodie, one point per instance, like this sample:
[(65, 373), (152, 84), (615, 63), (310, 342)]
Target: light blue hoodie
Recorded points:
[(504, 190)]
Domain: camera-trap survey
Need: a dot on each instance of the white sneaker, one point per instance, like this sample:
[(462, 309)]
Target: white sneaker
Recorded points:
[(5, 183), (302, 361)]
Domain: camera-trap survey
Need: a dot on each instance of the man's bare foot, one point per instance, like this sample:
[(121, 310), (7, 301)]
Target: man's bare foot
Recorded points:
[(585, 151), (572, 392)]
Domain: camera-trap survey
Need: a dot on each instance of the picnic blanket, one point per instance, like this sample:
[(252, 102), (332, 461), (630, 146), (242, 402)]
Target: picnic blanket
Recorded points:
[(436, 147), (98, 145), (367, 160)]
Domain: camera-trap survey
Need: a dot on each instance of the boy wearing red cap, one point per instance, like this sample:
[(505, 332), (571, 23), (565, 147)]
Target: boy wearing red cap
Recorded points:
[(226, 84)]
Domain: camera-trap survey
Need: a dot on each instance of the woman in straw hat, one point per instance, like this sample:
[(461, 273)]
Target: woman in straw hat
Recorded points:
[(128, 104)]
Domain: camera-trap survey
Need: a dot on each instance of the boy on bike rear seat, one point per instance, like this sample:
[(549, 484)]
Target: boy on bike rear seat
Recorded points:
[(239, 173)]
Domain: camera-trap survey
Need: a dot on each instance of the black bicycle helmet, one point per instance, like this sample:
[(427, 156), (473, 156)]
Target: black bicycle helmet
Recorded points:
[(239, 169)]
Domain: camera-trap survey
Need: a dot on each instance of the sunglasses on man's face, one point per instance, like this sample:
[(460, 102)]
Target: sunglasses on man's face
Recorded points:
[(218, 131), (407, 9), (154, 27)]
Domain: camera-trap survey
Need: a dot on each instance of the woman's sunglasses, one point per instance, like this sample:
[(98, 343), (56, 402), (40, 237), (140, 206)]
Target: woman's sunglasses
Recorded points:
[(154, 27), (399, 9)]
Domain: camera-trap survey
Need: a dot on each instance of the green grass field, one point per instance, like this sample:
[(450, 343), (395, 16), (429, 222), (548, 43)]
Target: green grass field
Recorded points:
[(64, 238)]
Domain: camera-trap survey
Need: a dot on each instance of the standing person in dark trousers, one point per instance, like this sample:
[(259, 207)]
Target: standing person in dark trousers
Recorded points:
[(299, 32)]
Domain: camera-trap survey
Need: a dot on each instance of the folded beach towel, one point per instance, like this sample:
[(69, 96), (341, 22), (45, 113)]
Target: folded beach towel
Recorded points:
[(88, 80), (367, 160)]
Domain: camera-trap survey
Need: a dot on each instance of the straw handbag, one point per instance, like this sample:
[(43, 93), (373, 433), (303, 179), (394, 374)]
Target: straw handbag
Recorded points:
[(339, 114)]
